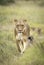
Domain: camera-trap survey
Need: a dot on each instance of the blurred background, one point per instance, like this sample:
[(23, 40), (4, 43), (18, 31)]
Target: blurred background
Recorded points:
[(33, 12)]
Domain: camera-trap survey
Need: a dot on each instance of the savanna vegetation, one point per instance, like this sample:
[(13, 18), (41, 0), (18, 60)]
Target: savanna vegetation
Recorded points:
[(34, 14)]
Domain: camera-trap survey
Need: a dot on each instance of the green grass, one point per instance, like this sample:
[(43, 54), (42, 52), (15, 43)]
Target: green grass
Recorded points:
[(9, 55)]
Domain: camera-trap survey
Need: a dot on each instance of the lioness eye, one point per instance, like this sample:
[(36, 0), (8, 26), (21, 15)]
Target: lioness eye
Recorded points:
[(22, 25)]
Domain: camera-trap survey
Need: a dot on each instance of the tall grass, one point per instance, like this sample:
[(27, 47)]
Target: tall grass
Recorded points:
[(9, 55)]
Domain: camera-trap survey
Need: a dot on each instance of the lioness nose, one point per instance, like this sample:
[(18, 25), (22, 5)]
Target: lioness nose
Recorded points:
[(20, 31)]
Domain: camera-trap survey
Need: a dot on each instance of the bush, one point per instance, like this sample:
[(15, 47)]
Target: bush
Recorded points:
[(6, 1)]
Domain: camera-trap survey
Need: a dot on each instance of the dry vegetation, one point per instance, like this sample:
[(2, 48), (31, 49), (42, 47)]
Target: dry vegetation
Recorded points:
[(34, 54)]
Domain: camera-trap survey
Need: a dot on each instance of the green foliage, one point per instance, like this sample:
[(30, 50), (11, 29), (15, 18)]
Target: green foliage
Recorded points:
[(34, 54), (38, 2), (6, 1)]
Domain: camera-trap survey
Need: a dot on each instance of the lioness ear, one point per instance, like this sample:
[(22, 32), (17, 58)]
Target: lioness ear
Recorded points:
[(15, 20), (24, 20)]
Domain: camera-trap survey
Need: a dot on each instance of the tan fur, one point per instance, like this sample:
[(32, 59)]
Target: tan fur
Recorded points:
[(21, 38)]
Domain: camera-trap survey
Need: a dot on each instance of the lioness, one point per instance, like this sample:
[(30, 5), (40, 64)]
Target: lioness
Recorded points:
[(22, 31)]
